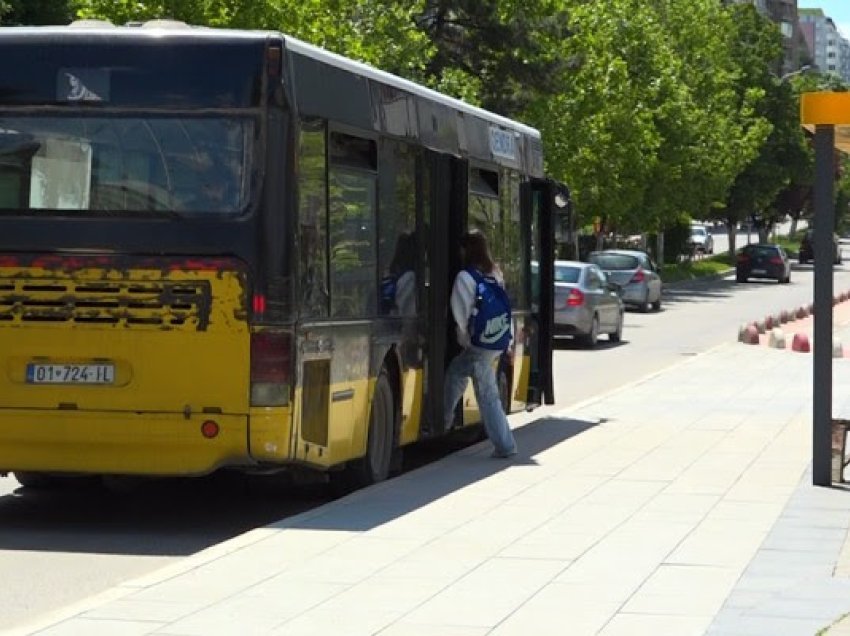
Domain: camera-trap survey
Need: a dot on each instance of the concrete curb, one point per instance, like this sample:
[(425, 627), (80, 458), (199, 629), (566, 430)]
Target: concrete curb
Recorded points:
[(797, 324)]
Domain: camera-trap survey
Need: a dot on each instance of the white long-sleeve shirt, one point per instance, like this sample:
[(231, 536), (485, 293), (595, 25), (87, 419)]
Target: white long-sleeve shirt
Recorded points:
[(463, 302)]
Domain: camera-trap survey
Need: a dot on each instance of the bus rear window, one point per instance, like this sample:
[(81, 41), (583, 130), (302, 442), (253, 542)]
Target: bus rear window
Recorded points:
[(187, 166)]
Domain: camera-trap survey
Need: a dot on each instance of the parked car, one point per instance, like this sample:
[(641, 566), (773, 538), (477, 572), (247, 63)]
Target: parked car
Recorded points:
[(807, 248), (763, 260), (586, 303), (701, 239), (634, 271)]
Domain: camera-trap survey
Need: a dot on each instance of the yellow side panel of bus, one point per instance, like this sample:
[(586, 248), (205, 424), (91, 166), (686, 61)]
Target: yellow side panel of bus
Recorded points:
[(118, 443), (347, 422), (171, 353), (179, 345), (412, 405)]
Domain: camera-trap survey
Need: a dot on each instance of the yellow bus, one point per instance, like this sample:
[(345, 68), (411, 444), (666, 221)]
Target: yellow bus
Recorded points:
[(234, 249)]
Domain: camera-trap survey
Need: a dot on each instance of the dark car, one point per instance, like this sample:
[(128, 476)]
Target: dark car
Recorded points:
[(763, 261), (807, 248)]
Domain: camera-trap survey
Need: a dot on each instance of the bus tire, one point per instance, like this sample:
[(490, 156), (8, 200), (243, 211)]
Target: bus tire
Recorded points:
[(35, 481), (375, 466)]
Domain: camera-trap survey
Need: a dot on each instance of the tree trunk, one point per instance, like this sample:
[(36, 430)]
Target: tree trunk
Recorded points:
[(660, 258), (732, 233)]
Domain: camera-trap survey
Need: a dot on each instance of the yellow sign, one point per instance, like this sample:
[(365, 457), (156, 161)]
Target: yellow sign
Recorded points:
[(825, 108)]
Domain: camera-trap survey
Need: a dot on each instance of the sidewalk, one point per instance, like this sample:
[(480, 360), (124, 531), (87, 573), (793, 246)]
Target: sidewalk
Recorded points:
[(678, 505)]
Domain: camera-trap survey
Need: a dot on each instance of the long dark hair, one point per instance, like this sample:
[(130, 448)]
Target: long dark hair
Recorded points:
[(476, 252)]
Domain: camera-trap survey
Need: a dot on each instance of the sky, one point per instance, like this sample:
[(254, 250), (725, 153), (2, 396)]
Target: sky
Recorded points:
[(838, 10)]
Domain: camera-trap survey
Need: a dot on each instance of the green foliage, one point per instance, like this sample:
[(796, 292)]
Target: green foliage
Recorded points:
[(773, 182), (505, 49), (649, 123), (35, 12), (695, 269)]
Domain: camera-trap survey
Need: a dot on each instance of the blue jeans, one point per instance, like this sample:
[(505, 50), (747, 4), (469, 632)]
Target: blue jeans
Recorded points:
[(478, 364)]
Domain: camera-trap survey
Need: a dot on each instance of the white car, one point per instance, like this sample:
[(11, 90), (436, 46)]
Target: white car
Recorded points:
[(701, 239)]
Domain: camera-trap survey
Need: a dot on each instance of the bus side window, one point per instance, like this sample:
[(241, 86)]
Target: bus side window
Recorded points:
[(313, 221), (397, 243), (354, 288)]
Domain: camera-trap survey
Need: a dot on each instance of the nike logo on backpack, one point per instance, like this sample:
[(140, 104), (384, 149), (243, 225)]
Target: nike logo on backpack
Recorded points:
[(495, 329)]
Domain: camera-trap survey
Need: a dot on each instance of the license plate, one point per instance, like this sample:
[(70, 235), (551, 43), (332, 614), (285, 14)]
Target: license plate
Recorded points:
[(70, 373), (759, 271)]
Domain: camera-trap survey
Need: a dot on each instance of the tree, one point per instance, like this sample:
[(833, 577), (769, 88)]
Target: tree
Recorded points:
[(497, 53), (35, 12)]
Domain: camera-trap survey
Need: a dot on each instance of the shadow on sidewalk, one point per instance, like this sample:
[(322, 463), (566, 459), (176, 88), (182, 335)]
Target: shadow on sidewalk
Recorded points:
[(367, 509)]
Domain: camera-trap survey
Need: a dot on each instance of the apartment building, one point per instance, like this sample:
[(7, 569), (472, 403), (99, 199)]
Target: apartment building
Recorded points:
[(784, 14), (830, 50)]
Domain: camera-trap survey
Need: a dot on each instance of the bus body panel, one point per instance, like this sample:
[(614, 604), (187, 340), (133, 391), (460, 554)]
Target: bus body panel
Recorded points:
[(270, 434), (334, 391), (126, 319), (98, 442), (177, 341), (412, 406)]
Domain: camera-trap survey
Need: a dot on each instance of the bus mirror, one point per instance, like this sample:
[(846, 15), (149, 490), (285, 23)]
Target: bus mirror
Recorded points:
[(561, 201)]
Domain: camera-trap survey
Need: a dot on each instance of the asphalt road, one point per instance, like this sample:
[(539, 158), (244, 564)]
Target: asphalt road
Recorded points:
[(60, 547)]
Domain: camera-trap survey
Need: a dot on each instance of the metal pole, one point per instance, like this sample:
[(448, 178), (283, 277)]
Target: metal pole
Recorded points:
[(823, 253)]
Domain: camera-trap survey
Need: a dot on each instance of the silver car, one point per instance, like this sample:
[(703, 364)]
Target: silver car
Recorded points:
[(635, 272), (701, 239), (586, 304)]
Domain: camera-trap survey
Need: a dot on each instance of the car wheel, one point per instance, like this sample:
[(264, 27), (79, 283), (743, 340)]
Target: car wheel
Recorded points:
[(741, 278), (656, 306), (645, 306), (617, 336), (591, 338)]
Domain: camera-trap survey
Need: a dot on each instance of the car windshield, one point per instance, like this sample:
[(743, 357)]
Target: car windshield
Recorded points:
[(112, 165), (567, 274), (611, 261), (697, 231)]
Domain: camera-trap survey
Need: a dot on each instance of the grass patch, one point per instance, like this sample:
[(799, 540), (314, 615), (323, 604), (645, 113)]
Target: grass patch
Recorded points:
[(696, 269), (790, 245)]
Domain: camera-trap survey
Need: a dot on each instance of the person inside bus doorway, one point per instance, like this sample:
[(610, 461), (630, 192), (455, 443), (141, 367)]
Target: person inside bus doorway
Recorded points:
[(473, 361)]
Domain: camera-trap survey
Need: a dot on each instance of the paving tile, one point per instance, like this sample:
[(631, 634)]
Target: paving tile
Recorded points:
[(487, 595), (100, 627), (671, 591), (403, 628), (655, 625), (130, 609), (559, 608)]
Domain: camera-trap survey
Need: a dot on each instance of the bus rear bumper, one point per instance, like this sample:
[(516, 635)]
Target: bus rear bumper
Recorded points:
[(120, 443)]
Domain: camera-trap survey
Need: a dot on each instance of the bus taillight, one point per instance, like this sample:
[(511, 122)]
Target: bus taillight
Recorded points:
[(271, 368)]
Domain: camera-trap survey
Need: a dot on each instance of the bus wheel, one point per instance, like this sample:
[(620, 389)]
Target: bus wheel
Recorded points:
[(36, 481), (376, 464)]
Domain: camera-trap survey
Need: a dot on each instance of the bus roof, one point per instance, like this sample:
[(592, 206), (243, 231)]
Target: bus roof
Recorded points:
[(371, 72), (102, 30)]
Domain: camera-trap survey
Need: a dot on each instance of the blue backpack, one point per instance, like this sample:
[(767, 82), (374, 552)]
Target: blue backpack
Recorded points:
[(490, 322)]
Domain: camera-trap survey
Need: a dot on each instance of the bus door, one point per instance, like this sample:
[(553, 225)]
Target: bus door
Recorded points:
[(444, 216), (545, 200)]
